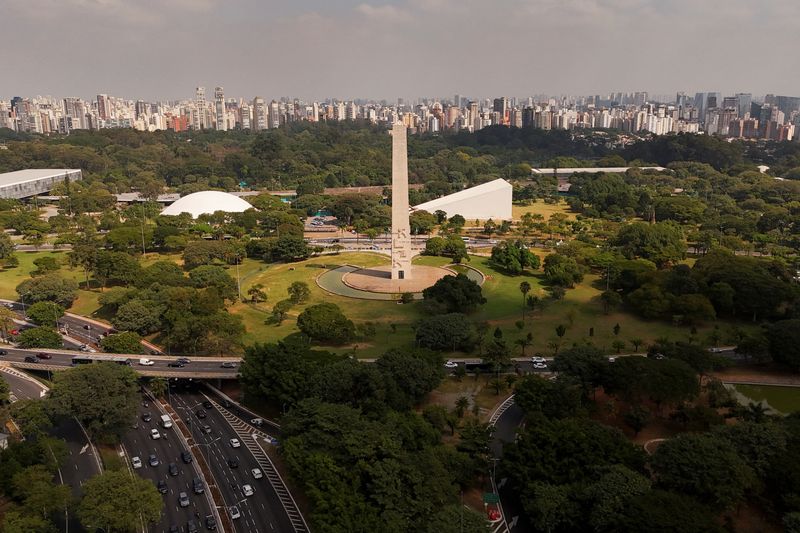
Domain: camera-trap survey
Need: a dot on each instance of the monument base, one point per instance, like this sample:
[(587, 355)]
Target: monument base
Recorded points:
[(379, 279)]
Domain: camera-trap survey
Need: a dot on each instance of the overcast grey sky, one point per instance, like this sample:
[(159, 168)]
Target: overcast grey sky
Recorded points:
[(388, 48)]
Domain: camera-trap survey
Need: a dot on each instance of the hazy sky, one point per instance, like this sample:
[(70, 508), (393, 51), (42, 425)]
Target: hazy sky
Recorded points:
[(384, 49)]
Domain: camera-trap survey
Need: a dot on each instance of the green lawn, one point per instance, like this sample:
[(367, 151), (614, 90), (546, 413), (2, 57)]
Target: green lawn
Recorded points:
[(784, 399), (578, 311), (277, 278)]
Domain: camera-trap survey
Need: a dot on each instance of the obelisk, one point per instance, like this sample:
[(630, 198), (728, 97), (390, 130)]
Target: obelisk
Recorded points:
[(401, 229)]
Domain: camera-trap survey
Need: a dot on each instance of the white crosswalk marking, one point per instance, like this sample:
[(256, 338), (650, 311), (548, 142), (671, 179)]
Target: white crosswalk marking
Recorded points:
[(248, 436)]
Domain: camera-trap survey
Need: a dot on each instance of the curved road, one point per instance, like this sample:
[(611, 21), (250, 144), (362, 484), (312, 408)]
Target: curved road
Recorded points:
[(506, 427)]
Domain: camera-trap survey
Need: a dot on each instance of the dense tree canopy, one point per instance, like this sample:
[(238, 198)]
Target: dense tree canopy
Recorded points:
[(103, 396)]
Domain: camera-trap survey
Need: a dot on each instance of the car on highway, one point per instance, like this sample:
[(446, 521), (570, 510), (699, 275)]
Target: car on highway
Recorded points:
[(183, 499), (146, 362), (451, 364), (186, 457), (211, 523), (136, 462), (191, 526), (228, 364), (247, 490), (235, 443), (3, 352), (173, 469), (257, 474), (197, 486), (257, 422), (153, 460), (175, 364), (184, 360), (162, 486), (206, 429), (234, 512), (146, 417), (200, 413), (44, 355), (233, 462), (154, 434), (31, 359), (208, 405), (174, 529), (537, 359), (87, 327), (540, 366)]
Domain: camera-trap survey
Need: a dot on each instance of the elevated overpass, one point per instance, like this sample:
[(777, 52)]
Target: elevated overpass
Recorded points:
[(198, 368)]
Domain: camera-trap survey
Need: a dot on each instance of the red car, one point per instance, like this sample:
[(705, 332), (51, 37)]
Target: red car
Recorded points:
[(42, 355)]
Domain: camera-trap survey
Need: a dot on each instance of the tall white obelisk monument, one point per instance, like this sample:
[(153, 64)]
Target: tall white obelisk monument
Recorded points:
[(401, 229)]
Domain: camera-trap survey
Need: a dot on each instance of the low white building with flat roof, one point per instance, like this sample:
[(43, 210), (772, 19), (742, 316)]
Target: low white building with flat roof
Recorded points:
[(34, 181)]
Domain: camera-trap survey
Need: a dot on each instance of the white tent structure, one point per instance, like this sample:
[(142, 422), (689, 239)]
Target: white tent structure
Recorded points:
[(207, 202), (482, 202)]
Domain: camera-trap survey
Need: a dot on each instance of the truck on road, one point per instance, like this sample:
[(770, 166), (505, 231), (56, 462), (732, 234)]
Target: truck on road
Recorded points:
[(166, 421)]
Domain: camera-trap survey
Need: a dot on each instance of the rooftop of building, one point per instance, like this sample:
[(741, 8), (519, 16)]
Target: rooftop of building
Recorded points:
[(32, 174)]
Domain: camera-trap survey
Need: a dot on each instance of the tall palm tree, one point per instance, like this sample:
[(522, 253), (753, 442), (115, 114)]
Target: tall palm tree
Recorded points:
[(524, 288)]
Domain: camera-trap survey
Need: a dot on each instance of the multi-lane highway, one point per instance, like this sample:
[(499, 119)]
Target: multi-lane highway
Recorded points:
[(270, 507), (197, 368), (167, 449)]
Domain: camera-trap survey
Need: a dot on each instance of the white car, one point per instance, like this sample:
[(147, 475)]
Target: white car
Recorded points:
[(234, 511), (146, 362), (235, 443), (136, 462), (539, 366), (247, 490), (451, 364), (257, 473), (154, 434), (537, 359)]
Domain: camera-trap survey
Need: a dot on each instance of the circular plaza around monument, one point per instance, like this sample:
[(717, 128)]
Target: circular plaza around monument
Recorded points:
[(379, 279), (333, 280)]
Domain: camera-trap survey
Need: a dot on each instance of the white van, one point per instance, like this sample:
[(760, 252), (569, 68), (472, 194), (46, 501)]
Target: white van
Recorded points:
[(146, 362), (166, 421)]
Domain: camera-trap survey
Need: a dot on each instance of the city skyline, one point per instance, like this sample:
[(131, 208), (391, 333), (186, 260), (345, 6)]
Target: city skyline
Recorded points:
[(400, 48)]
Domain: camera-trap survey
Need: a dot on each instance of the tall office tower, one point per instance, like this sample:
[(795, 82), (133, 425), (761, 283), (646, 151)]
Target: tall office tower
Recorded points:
[(713, 100), (500, 106), (219, 109), (743, 101), (140, 109), (314, 112), (681, 99), (528, 117), (730, 102), (103, 107), (457, 101), (259, 114), (700, 103), (639, 98)]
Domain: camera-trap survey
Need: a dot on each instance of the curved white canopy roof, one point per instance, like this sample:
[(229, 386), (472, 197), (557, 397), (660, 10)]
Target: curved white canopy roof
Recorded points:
[(207, 202)]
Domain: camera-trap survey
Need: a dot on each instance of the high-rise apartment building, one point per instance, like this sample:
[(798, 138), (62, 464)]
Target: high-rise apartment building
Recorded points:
[(219, 109), (259, 114), (103, 107)]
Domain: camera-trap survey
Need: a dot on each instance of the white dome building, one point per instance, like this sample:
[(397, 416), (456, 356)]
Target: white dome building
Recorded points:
[(207, 202)]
